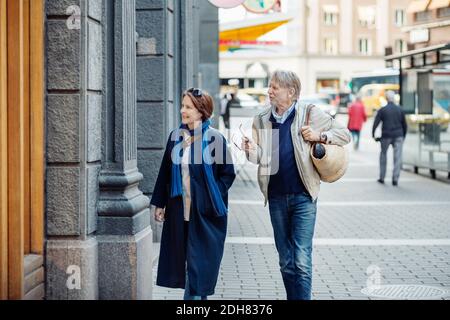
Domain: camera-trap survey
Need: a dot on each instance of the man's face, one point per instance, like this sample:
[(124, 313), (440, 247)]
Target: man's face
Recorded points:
[(279, 95)]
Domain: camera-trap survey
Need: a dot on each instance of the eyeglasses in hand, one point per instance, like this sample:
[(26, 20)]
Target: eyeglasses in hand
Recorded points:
[(243, 135)]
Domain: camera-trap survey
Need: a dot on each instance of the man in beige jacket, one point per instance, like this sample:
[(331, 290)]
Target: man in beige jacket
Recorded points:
[(280, 145)]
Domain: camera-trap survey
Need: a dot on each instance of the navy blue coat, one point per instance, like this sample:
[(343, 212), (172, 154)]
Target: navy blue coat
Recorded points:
[(201, 249)]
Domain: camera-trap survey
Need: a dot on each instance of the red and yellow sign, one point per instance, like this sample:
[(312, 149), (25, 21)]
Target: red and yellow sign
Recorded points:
[(236, 34)]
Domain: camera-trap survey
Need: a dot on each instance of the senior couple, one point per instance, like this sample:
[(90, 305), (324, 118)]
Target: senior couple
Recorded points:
[(191, 191)]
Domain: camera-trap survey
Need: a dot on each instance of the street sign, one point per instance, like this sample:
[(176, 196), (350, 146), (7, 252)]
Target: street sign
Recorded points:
[(419, 35), (226, 4)]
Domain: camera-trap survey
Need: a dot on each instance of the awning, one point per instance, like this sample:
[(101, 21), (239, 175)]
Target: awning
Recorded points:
[(330, 8), (437, 4), (445, 46), (418, 6), (250, 30)]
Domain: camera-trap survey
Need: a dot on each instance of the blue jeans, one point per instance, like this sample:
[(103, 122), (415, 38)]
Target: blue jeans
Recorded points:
[(355, 136), (293, 219)]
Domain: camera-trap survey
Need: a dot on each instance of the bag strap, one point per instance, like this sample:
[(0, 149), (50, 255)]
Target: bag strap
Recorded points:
[(307, 123), (308, 114)]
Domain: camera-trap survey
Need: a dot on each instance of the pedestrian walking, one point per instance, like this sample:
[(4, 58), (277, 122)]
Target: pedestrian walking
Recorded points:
[(191, 198), (225, 110), (234, 102), (393, 132), (356, 118), (280, 145)]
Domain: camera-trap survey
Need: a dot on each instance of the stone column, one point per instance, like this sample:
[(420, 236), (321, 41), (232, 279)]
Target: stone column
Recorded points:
[(124, 232), (159, 65), (73, 120), (209, 54)]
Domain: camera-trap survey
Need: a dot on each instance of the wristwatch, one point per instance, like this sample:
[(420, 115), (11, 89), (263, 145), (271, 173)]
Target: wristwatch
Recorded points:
[(323, 137)]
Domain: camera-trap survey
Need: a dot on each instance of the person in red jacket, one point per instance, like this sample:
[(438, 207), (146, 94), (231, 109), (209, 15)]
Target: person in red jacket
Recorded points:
[(356, 118)]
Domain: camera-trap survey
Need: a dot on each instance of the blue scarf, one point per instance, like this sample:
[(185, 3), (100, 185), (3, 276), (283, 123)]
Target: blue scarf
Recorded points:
[(213, 188)]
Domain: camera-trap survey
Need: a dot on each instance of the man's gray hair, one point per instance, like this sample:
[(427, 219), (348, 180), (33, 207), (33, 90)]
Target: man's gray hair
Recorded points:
[(287, 79), (390, 96)]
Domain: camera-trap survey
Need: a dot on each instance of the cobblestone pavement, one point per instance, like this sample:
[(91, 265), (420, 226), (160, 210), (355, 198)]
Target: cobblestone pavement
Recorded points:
[(366, 234)]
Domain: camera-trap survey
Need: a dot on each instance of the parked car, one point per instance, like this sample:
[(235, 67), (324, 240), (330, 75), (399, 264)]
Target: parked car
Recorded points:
[(321, 101)]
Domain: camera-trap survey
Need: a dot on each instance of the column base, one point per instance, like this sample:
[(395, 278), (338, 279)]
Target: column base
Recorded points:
[(125, 266), (72, 269)]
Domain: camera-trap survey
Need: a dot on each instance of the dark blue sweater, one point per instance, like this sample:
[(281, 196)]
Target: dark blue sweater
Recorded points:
[(287, 179)]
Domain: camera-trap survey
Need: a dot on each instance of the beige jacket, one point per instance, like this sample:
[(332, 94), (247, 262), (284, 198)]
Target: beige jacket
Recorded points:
[(336, 133)]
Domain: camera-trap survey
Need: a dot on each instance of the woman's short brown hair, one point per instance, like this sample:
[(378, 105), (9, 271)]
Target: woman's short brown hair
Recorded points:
[(202, 101)]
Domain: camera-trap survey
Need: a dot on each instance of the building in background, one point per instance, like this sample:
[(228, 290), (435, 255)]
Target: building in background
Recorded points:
[(428, 23), (327, 42)]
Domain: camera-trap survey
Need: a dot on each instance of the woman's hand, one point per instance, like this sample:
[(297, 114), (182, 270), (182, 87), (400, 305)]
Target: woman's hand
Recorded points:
[(159, 214), (310, 135)]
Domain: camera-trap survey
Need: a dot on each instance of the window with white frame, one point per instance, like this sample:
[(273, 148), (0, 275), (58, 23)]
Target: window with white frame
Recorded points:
[(330, 14), (366, 16), (400, 46), (364, 46), (330, 46), (400, 17), (330, 19)]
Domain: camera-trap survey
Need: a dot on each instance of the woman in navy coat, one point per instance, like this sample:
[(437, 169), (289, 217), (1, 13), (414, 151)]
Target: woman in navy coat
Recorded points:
[(191, 197)]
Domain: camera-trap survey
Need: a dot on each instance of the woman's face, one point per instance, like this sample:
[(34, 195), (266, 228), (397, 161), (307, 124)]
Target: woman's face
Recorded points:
[(280, 96), (189, 114)]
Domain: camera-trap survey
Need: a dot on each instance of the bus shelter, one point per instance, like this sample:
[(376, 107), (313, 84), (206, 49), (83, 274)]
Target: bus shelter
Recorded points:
[(424, 79)]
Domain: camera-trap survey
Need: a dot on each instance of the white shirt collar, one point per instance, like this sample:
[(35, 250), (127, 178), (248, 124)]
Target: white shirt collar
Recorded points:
[(281, 119)]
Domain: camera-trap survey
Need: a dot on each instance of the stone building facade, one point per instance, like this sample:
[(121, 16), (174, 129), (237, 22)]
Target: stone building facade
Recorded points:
[(113, 73)]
